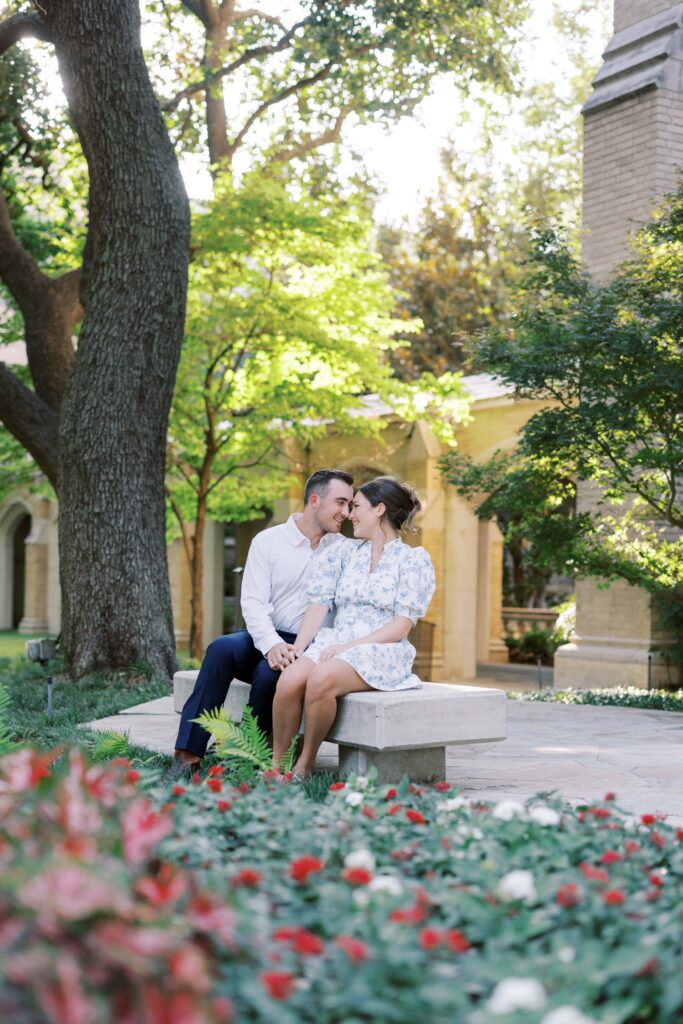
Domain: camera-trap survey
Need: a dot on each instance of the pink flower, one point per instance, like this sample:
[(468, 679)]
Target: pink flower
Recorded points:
[(657, 838), (167, 887), (278, 984), (300, 869), (72, 893), (62, 998), (208, 915), (143, 829), (594, 874), (300, 940), (354, 948), (409, 915), (613, 897), (610, 857)]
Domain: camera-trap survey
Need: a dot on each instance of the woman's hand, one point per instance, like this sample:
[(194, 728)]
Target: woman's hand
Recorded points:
[(333, 650)]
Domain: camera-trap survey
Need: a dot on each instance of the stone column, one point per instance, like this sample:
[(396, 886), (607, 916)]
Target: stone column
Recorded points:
[(633, 153), (490, 646), (36, 580)]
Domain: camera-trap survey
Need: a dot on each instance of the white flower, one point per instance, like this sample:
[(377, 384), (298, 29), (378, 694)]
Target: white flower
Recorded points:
[(517, 885), (543, 815), (361, 781), (512, 994), (386, 883), (506, 810), (567, 1015), (466, 832), (361, 898), (354, 799), (360, 859), (566, 955), (453, 803)]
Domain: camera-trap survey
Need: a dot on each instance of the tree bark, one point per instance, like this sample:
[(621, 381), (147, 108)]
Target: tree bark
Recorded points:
[(114, 574)]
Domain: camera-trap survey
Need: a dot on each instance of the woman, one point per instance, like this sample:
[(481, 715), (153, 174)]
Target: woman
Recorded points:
[(379, 587)]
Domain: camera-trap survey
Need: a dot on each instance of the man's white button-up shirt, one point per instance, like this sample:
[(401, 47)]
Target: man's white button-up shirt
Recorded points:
[(278, 569)]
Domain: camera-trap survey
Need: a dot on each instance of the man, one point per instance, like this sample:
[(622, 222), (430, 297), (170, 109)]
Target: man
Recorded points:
[(279, 566)]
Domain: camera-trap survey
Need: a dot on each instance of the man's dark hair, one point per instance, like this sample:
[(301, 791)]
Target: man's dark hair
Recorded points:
[(319, 481)]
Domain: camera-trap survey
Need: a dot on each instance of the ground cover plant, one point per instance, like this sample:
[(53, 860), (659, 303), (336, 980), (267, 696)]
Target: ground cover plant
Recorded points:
[(617, 696), (123, 898)]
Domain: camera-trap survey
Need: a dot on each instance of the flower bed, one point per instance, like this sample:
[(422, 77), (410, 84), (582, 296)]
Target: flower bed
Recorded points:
[(618, 696), (124, 901)]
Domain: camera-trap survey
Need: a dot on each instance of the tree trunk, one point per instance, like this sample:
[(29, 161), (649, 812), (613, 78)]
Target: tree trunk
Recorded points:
[(196, 644), (114, 574)]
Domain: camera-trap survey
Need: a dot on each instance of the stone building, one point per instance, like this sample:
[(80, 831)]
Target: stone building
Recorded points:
[(464, 623), (633, 156)]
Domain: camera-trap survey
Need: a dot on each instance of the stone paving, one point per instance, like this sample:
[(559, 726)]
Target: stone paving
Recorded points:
[(578, 752)]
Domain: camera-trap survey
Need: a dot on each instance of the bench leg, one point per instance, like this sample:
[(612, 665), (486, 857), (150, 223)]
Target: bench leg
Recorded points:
[(425, 765)]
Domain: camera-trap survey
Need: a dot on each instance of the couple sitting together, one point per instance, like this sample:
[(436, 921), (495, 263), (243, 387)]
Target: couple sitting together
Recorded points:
[(295, 659)]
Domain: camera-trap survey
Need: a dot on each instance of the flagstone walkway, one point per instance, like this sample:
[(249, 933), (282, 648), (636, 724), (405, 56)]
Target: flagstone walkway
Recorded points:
[(578, 752)]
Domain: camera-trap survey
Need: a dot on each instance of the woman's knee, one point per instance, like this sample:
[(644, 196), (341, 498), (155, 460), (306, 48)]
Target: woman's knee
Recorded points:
[(292, 681), (322, 682)]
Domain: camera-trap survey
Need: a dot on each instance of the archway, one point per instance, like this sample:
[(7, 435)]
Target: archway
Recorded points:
[(15, 526)]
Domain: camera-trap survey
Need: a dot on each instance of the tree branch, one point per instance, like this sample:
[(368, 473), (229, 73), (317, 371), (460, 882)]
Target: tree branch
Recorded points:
[(207, 81), (196, 7), (18, 270), (280, 97), (310, 142), (31, 422), (26, 24), (253, 12)]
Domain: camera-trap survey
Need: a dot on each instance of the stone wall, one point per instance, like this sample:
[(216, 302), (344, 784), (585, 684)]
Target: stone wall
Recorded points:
[(629, 12)]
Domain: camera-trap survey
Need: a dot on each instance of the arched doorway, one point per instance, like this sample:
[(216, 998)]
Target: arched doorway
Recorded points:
[(21, 532)]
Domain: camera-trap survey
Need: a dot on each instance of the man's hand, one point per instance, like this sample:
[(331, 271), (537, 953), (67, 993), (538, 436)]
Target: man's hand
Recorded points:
[(281, 655)]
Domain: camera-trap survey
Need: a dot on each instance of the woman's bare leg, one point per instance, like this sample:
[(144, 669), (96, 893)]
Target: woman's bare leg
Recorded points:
[(327, 681), (288, 706)]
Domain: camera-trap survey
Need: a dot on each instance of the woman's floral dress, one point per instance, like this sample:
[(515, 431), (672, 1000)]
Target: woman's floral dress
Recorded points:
[(402, 584)]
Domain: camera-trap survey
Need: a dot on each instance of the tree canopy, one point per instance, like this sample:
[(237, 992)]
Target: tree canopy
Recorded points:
[(608, 360)]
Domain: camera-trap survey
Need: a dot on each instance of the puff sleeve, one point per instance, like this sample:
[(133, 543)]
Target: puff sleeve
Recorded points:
[(329, 567), (416, 584)]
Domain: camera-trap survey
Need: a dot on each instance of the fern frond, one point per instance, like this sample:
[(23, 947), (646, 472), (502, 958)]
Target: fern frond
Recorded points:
[(6, 743), (245, 742)]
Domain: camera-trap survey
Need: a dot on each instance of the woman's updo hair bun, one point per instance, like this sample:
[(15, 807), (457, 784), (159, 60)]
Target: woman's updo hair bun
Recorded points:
[(400, 500)]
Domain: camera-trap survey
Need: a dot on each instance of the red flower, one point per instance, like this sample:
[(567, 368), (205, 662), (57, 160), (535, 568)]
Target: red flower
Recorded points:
[(599, 812), (648, 819), (243, 787), (215, 784), (407, 853), (354, 948), (122, 761), (357, 876), (247, 876), (568, 895), (610, 857), (442, 787), (430, 938), (657, 838), (278, 984), (679, 834), (300, 940), (300, 869), (390, 794), (369, 812), (410, 915), (610, 796), (178, 790), (656, 880), (215, 770), (415, 817), (594, 874), (632, 847), (132, 776), (394, 809), (456, 941), (336, 786), (613, 897), (167, 887), (223, 805)]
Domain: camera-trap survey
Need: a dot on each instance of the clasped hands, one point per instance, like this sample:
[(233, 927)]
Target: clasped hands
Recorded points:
[(281, 655)]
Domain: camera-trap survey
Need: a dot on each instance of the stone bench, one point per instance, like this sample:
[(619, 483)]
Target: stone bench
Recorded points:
[(398, 733)]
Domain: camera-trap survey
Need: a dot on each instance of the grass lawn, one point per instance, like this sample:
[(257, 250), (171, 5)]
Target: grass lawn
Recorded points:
[(12, 644)]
